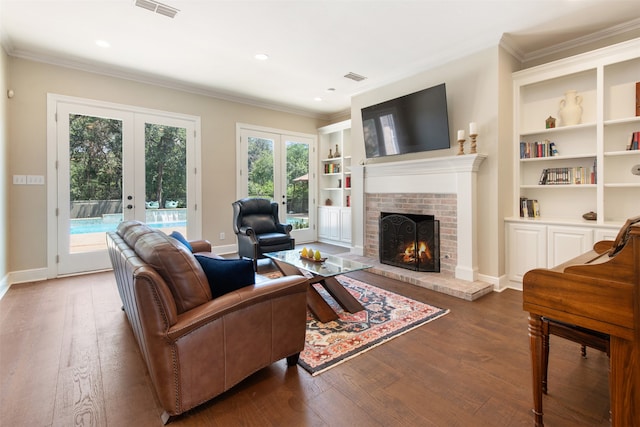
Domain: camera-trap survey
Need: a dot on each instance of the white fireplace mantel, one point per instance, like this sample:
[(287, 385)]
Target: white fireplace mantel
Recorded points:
[(438, 175)]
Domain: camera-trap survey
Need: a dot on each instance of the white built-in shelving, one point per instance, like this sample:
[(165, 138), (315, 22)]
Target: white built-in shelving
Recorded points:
[(334, 204), (606, 80)]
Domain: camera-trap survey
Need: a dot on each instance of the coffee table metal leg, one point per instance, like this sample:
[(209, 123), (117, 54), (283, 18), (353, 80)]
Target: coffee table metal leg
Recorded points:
[(341, 295)]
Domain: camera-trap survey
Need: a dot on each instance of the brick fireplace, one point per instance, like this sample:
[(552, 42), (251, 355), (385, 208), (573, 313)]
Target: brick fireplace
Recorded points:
[(444, 187), (441, 206)]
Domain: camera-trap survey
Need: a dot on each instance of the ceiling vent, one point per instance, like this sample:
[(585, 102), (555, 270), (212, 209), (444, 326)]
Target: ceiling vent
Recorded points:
[(355, 77), (157, 7)]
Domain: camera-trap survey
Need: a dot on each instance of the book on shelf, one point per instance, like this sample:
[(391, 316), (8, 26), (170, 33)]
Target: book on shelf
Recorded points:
[(633, 141), (567, 175), (534, 150), (331, 168), (529, 208)]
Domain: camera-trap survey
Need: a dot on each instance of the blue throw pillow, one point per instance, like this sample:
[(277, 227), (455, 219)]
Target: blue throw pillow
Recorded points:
[(227, 275), (180, 238)]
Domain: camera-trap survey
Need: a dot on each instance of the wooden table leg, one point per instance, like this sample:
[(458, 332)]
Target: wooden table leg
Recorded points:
[(535, 344), (318, 306), (341, 295)]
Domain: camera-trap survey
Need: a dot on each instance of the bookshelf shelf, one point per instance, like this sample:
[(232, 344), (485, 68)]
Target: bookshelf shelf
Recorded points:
[(606, 79), (334, 207)]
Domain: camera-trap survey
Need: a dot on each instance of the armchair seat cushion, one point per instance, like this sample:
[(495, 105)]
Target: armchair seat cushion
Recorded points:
[(270, 239)]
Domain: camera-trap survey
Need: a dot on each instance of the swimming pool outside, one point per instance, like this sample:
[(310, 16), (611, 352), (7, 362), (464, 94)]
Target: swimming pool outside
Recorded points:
[(160, 218)]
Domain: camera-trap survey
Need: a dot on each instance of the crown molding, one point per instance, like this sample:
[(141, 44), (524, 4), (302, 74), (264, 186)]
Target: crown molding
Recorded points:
[(105, 70), (512, 47)]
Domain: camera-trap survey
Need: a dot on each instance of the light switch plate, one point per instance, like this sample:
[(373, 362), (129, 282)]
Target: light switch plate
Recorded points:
[(19, 179), (35, 179)]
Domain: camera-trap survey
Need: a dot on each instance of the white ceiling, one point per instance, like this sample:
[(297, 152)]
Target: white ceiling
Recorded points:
[(209, 46)]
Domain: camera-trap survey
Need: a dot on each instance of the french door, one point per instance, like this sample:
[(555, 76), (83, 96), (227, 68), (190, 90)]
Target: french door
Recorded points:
[(279, 167), (115, 164)]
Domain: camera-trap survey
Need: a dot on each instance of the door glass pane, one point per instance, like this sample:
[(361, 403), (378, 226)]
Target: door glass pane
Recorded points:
[(297, 185), (260, 168), (166, 177), (95, 172)]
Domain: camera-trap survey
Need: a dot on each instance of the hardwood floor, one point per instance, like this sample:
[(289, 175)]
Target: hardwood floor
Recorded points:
[(68, 357)]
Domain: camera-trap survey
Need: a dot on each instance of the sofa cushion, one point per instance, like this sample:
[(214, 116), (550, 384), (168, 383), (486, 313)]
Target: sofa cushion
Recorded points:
[(177, 266), (180, 238), (227, 275)]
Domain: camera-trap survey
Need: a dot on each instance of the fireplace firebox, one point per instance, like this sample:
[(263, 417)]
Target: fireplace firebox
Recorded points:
[(410, 241)]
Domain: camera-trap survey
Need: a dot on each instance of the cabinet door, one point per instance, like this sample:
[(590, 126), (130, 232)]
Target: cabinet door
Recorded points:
[(329, 223), (323, 222), (527, 249), (601, 234), (345, 225), (334, 224), (567, 242)]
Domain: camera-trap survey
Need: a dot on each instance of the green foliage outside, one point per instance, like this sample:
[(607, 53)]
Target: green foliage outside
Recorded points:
[(95, 155), (166, 164), (260, 170)]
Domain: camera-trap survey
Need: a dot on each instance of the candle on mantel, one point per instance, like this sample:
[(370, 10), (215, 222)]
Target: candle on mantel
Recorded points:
[(460, 134), (473, 128)]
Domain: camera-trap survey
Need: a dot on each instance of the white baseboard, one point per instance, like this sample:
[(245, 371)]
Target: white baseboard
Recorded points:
[(224, 250), (499, 283), (4, 285), (35, 275), (24, 276), (357, 250)]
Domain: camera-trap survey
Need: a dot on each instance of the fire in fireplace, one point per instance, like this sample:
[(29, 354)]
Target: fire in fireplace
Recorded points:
[(410, 241)]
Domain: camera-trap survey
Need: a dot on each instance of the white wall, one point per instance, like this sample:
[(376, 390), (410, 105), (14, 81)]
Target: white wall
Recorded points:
[(31, 81), (473, 94)]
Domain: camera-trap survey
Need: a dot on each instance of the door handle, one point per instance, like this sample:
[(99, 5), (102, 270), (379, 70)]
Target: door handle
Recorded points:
[(129, 206)]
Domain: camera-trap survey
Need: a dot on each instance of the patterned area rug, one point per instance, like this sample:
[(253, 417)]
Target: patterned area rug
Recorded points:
[(386, 316)]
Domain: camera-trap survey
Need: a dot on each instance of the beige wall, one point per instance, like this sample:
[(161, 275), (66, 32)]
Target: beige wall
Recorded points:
[(31, 81), (474, 84), (4, 174), (507, 64)]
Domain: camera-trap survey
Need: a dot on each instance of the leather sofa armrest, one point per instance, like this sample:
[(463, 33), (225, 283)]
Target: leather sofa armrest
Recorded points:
[(234, 301), (200, 245)]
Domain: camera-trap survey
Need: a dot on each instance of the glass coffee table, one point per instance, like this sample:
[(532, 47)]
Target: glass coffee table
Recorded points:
[(291, 263)]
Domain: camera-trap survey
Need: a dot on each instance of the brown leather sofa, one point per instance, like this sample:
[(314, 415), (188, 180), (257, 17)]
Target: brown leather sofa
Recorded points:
[(196, 347)]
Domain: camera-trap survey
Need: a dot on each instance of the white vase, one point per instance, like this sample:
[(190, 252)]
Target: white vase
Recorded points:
[(570, 108)]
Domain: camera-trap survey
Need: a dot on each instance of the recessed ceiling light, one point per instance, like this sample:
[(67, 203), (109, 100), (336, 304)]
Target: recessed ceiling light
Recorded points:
[(102, 43), (331, 89), (317, 98), (262, 56)]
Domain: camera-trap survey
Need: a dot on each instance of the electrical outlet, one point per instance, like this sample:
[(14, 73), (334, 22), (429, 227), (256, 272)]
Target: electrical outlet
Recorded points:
[(222, 236)]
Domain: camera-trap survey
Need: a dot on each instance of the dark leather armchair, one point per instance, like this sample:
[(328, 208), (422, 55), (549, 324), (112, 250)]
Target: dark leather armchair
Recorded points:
[(256, 224)]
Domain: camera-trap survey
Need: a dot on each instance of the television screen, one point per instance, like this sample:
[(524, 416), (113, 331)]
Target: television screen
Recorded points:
[(408, 124)]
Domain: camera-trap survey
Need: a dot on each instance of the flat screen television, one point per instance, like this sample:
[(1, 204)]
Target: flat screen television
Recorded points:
[(408, 124)]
